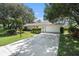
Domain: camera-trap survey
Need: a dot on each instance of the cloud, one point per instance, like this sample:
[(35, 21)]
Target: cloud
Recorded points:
[(39, 18), (37, 13)]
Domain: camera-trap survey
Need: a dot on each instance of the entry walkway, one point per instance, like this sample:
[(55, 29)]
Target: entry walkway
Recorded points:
[(44, 44)]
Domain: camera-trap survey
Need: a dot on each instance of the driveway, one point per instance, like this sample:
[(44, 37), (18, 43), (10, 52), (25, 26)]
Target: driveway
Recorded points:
[(44, 44)]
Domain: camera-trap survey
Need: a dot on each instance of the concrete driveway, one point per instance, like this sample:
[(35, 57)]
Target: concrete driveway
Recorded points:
[(44, 44)]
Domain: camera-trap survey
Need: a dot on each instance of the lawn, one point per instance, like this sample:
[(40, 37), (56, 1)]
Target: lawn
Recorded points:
[(68, 46), (4, 39)]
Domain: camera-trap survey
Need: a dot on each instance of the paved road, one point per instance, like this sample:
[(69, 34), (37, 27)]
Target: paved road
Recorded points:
[(44, 44)]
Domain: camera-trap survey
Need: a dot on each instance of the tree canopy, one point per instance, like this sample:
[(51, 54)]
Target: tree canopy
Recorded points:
[(59, 11), (10, 13)]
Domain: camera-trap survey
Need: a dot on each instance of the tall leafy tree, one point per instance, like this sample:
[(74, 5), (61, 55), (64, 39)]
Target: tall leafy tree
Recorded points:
[(58, 11), (9, 13)]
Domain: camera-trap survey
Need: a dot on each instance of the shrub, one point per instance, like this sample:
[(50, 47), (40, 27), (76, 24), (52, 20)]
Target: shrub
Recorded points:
[(75, 33), (72, 29), (26, 29), (11, 32), (61, 30), (36, 30)]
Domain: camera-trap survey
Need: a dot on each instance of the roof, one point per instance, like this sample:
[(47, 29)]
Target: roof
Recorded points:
[(46, 23), (41, 24)]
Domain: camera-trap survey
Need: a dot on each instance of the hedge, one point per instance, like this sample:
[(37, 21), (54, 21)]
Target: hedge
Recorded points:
[(36, 30)]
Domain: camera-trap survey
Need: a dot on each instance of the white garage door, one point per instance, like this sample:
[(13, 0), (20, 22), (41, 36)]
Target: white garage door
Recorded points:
[(52, 29)]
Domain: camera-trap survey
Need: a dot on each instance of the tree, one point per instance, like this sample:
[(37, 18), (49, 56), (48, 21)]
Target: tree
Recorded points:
[(9, 13), (19, 23), (58, 11), (39, 21)]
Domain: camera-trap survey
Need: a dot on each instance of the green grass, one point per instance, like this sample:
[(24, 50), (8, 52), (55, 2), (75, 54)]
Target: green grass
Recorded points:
[(68, 46), (4, 39), (66, 32)]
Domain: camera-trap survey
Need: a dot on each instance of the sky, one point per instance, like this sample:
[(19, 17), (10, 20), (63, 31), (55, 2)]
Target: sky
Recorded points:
[(38, 9)]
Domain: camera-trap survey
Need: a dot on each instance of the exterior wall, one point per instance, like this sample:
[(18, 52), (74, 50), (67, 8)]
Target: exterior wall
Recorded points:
[(31, 27), (47, 28)]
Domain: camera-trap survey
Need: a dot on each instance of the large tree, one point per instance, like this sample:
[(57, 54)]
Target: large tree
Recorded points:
[(58, 11), (10, 13)]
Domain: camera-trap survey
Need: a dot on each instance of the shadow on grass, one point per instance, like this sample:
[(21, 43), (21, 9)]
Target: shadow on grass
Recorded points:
[(3, 33), (68, 46)]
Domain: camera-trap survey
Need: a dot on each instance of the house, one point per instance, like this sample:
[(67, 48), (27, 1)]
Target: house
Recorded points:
[(45, 26)]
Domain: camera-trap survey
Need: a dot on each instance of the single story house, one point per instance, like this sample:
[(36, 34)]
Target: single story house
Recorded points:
[(45, 26)]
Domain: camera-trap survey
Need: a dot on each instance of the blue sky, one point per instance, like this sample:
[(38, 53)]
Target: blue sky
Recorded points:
[(38, 9)]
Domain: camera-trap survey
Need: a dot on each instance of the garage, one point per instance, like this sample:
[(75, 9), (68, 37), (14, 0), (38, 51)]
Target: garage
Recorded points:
[(51, 28), (46, 27)]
